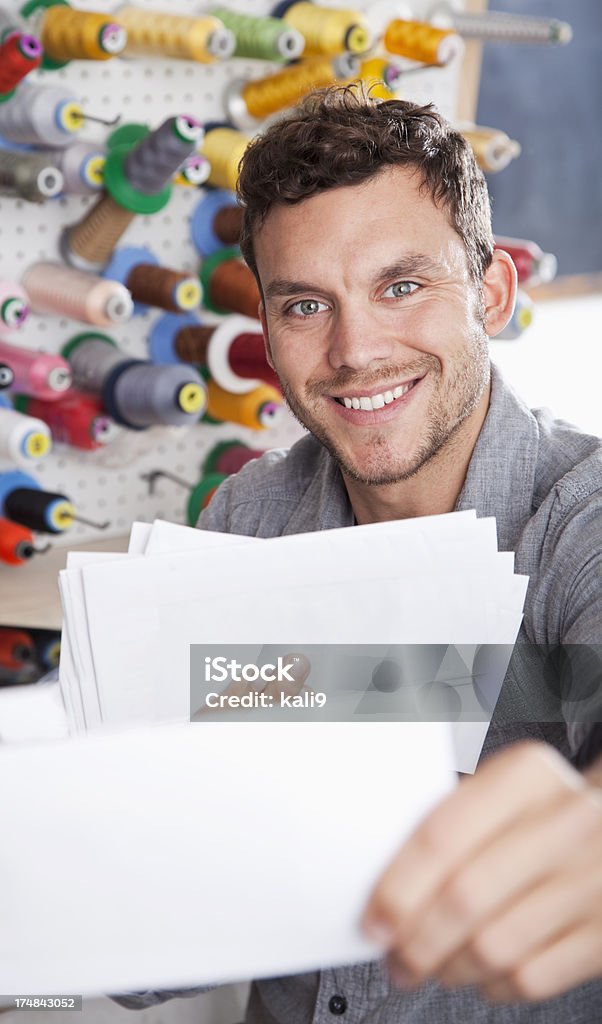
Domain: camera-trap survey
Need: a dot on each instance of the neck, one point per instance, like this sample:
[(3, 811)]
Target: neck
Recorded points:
[(433, 490)]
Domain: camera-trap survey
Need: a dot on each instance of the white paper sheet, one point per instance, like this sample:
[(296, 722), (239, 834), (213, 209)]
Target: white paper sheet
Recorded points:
[(163, 865)]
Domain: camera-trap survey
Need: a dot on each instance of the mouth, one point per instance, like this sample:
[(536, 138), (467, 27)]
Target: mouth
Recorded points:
[(379, 400)]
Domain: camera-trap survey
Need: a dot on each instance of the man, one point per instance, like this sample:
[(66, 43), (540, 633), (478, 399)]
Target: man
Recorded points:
[(368, 228)]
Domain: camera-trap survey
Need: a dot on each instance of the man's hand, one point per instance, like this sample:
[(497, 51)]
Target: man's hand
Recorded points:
[(501, 885)]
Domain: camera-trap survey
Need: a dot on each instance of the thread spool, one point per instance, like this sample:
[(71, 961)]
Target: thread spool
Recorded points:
[(151, 160), (381, 76), (521, 319), (78, 420), (136, 393), (224, 147), (203, 39), (89, 244), (41, 115), (228, 284), (493, 149), (23, 438), (16, 647), (14, 308), (326, 31), (47, 647), (533, 266), (261, 38), (247, 103), (216, 222), (19, 54), (228, 457), (502, 27), (69, 34), (65, 291), (23, 500), (38, 374), (81, 165), (16, 545), (255, 409), (7, 377), (152, 285), (29, 176), (419, 41), (194, 172)]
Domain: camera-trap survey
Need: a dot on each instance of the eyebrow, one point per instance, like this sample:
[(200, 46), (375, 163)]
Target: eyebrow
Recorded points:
[(405, 267)]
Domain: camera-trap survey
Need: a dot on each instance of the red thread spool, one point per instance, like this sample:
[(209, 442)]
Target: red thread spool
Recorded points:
[(16, 542), (16, 647), (248, 359), (533, 265), (79, 420), (233, 458), (19, 54)]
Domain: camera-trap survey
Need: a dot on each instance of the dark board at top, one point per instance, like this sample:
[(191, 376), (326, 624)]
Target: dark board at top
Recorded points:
[(550, 100)]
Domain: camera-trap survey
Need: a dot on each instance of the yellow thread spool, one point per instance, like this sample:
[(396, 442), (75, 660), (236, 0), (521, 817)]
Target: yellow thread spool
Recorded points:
[(62, 515), (418, 41), (327, 31), (255, 409), (172, 35), (223, 148), (381, 77), (284, 89), (493, 149), (68, 34)]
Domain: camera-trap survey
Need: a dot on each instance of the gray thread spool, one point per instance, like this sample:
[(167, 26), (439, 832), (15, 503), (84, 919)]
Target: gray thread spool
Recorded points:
[(146, 394), (154, 160), (32, 115), (92, 361), (73, 162), (29, 175)]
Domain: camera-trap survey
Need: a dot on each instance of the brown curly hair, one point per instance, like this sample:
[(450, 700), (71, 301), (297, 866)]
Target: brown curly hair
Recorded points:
[(341, 136)]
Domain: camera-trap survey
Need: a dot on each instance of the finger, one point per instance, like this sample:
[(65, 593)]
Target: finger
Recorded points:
[(532, 923), (298, 666), (514, 863), (469, 818), (573, 959)]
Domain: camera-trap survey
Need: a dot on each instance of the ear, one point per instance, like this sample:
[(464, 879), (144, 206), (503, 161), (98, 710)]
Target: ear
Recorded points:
[(266, 337), (499, 289)]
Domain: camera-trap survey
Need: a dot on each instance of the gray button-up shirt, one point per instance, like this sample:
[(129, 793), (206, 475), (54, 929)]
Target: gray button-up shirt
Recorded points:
[(542, 480)]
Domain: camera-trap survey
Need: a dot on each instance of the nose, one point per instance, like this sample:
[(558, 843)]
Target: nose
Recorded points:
[(358, 339)]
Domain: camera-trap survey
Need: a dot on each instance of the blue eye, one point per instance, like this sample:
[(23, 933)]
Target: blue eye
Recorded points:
[(401, 288), (307, 307)]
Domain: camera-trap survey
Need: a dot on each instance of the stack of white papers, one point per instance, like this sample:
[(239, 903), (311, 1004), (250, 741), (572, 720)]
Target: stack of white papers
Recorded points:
[(178, 854), (130, 620)]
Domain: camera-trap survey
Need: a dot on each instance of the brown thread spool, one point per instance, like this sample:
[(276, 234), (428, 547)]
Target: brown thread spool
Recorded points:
[(91, 241), (233, 289), (227, 224), (167, 289), (191, 344)]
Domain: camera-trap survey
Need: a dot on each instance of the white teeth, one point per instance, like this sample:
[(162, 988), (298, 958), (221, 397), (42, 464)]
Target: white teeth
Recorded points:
[(377, 401)]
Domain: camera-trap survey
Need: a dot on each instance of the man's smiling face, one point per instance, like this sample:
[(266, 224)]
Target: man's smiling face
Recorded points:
[(373, 323)]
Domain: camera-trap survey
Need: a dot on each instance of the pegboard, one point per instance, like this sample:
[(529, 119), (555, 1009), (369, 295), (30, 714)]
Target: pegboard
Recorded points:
[(107, 484)]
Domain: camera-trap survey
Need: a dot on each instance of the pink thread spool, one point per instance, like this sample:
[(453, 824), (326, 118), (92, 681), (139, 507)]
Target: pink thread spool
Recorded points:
[(14, 307), (65, 291), (38, 374)]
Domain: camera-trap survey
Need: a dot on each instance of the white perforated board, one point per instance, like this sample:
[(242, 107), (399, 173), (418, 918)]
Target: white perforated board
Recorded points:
[(107, 484)]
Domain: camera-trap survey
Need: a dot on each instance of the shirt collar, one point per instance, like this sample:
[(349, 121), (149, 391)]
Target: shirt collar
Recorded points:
[(500, 480)]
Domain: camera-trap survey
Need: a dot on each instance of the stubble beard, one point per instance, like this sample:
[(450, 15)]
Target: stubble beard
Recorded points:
[(445, 415)]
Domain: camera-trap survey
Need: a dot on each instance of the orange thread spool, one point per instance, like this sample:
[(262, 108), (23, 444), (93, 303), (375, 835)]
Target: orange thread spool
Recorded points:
[(284, 89), (16, 647), (69, 34), (421, 42), (233, 289), (191, 344), (227, 224)]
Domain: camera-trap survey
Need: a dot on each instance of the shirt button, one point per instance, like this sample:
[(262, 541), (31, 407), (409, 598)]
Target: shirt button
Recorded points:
[(337, 1005)]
